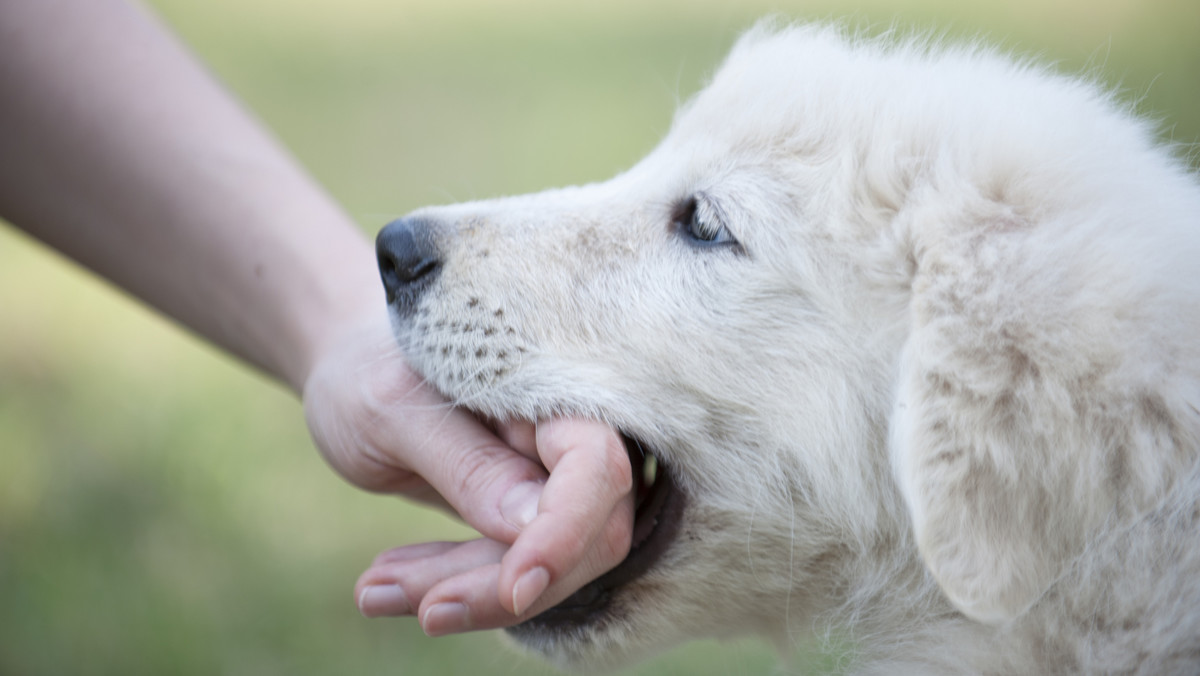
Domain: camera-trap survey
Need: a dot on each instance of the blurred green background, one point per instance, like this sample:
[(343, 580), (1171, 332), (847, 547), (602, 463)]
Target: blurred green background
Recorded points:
[(161, 508)]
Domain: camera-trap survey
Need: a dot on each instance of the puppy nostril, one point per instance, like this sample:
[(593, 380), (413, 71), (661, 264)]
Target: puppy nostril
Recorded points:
[(407, 258), (391, 278), (417, 270)]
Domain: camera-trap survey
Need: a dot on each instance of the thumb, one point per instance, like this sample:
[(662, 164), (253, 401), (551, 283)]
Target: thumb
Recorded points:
[(383, 429)]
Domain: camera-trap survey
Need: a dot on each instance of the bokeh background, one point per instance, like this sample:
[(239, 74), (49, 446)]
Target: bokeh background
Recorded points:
[(161, 508)]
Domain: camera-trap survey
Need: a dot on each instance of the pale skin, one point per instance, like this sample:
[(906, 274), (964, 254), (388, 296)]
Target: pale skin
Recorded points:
[(119, 151)]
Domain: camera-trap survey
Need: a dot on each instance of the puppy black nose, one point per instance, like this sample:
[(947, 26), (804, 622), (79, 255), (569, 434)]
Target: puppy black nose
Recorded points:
[(408, 260)]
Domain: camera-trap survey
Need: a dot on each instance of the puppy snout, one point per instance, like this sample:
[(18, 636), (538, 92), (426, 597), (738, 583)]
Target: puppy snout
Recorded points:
[(408, 261)]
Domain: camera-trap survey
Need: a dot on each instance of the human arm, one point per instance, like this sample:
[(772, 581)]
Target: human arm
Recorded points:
[(118, 150)]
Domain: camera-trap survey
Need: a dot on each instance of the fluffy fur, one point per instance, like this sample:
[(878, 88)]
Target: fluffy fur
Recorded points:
[(940, 399)]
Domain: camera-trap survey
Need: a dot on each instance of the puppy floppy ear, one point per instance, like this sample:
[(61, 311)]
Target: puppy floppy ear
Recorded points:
[(982, 512), (993, 457)]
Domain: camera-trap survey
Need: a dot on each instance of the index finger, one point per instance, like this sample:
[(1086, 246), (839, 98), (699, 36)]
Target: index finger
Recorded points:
[(584, 521)]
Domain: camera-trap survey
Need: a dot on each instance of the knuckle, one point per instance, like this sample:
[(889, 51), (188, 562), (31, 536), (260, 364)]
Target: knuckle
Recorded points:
[(472, 471)]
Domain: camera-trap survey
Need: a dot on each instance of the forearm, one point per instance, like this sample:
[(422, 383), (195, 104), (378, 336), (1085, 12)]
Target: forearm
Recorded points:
[(118, 150)]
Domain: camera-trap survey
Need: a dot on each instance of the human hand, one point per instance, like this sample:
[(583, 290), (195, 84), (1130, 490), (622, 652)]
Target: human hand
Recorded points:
[(545, 533)]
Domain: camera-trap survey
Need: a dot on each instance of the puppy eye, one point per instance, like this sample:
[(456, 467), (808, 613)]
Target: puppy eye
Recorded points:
[(701, 224)]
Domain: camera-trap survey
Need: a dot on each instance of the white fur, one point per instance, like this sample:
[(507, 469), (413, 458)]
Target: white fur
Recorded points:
[(942, 406)]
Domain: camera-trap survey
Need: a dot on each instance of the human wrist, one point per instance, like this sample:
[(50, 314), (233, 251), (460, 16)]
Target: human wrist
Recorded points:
[(347, 305)]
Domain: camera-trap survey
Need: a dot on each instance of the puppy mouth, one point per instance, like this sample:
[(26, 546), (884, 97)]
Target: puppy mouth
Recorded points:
[(658, 507)]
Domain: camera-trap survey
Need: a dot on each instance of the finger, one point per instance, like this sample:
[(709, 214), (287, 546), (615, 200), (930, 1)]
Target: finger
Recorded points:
[(463, 577), (399, 579), (465, 602), (409, 552), (494, 488), (468, 601), (546, 565), (585, 517)]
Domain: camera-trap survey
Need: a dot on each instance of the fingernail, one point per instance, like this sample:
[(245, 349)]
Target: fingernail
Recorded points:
[(528, 588), (446, 618), (520, 505), (383, 599)]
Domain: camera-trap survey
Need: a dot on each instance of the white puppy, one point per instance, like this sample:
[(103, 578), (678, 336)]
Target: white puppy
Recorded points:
[(914, 335)]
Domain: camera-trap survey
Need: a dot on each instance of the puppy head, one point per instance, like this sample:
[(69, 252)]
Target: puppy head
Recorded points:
[(690, 303), (832, 236)]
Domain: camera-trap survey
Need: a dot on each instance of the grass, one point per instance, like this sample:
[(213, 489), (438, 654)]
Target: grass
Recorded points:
[(162, 510)]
